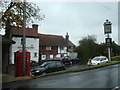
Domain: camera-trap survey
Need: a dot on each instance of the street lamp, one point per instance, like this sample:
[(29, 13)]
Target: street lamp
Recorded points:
[(108, 30)]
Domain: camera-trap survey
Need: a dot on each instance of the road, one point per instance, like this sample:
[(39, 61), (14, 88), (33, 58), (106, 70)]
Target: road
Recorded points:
[(106, 77), (76, 66)]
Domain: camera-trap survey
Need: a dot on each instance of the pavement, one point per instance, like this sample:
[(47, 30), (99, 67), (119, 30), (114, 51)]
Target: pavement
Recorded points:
[(10, 78)]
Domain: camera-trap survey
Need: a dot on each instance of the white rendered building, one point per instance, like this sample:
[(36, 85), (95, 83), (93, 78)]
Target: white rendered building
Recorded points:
[(32, 42)]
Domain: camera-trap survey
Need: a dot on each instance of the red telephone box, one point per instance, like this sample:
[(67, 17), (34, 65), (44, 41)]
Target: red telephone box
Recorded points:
[(18, 63)]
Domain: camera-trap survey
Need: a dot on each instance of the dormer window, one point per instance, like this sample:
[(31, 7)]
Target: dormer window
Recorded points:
[(48, 48)]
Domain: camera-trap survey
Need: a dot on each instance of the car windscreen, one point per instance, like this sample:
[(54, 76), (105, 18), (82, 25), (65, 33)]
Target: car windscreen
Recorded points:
[(96, 59), (44, 64)]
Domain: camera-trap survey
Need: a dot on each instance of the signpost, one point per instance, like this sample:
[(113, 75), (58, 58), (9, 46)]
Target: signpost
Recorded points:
[(108, 30)]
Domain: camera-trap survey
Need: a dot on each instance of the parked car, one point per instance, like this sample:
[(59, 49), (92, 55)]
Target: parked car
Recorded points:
[(70, 60), (66, 60), (98, 60), (48, 67), (74, 59)]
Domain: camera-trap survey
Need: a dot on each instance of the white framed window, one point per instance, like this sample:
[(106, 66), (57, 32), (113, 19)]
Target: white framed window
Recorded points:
[(48, 48), (35, 54)]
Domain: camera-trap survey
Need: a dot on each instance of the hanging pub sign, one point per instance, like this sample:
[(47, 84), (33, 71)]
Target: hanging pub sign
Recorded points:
[(108, 41), (107, 27)]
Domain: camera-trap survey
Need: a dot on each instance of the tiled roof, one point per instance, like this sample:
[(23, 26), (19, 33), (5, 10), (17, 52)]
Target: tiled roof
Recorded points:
[(52, 40), (70, 43), (45, 39), (18, 31)]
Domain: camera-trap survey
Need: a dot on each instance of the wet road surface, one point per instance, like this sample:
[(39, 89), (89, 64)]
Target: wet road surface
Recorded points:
[(106, 77), (76, 66)]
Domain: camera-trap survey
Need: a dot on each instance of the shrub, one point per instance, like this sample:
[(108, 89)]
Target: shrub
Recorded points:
[(115, 58)]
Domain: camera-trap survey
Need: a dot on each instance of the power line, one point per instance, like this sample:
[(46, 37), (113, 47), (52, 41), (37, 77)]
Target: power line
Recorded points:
[(104, 6)]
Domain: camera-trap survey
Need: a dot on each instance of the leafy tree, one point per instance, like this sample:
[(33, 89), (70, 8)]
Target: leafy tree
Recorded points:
[(87, 48), (102, 49), (115, 49), (12, 15)]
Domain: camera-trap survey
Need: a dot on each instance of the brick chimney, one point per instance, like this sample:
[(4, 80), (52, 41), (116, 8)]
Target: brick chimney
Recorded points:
[(67, 37), (67, 40), (35, 26)]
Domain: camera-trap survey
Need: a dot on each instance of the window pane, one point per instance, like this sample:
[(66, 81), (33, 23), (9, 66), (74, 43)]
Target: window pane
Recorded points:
[(48, 48), (35, 54)]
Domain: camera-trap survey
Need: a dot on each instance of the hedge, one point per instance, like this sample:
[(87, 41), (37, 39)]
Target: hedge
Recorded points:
[(115, 58)]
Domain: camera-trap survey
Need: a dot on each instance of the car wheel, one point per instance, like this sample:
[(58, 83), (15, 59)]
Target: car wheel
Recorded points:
[(107, 62), (98, 64)]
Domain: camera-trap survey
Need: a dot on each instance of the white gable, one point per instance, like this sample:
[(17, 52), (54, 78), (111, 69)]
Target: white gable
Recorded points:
[(32, 45)]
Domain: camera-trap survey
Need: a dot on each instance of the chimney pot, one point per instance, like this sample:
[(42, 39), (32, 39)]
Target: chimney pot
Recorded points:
[(35, 26)]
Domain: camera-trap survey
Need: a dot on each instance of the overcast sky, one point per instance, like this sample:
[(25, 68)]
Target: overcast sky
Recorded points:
[(79, 19)]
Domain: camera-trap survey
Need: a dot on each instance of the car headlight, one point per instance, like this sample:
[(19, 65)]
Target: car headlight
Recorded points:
[(37, 71)]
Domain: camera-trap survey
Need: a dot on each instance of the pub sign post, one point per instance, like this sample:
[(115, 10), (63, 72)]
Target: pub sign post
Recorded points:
[(107, 31)]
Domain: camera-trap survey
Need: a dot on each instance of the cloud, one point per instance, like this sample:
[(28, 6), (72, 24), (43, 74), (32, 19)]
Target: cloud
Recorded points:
[(79, 19)]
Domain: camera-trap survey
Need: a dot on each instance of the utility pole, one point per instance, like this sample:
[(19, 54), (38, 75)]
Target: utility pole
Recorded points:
[(108, 30), (24, 38)]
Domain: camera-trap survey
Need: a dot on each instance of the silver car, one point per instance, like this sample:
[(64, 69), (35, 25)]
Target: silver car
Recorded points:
[(98, 60)]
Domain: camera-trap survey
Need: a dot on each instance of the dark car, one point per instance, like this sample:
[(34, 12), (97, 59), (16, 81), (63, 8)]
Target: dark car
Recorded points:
[(70, 60), (48, 67), (74, 59), (66, 60)]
